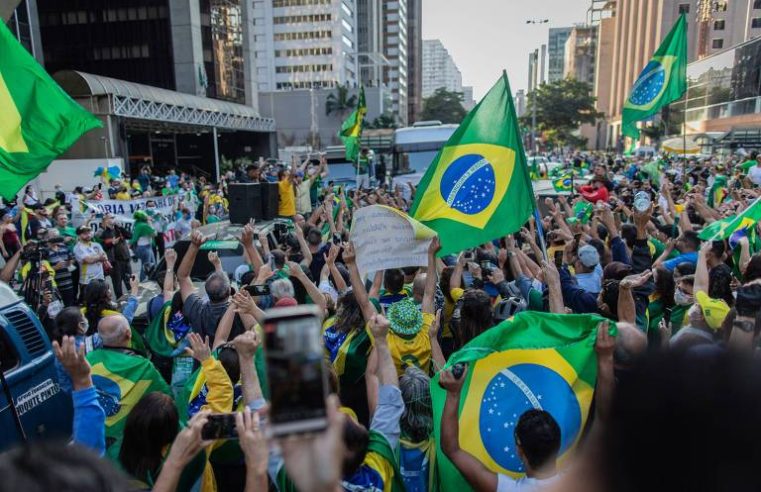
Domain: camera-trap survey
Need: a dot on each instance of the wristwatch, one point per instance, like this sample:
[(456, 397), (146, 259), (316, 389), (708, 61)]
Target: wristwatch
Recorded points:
[(743, 325)]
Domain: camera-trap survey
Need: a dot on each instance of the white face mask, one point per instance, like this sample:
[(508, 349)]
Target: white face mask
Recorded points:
[(681, 298), (84, 326)]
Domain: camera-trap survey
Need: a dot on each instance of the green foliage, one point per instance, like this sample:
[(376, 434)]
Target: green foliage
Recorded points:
[(340, 102), (385, 120), (561, 108), (444, 106)]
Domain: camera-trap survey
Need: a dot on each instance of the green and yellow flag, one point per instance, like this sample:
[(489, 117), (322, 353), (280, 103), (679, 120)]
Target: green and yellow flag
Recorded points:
[(563, 183), (723, 229), (38, 120), (121, 380), (661, 82), (351, 129), (478, 188), (533, 361)]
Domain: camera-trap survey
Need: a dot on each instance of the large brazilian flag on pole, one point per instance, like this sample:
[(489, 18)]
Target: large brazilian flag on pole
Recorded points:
[(662, 81), (38, 120), (532, 361), (478, 188)]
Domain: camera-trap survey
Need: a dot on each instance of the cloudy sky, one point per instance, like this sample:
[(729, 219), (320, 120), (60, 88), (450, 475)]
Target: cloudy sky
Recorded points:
[(486, 36)]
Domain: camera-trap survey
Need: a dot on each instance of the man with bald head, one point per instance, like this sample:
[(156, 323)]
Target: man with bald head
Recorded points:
[(121, 376)]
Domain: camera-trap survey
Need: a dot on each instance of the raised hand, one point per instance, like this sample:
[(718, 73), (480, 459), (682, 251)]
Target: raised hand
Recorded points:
[(199, 348), (73, 359)]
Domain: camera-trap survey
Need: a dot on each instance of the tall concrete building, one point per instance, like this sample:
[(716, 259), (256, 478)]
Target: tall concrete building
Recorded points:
[(414, 59), (439, 69), (580, 51), (603, 72), (303, 44), (395, 49), (556, 52), (520, 102), (467, 97)]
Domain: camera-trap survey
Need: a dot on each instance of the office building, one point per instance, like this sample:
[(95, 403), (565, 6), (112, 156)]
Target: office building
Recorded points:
[(641, 25), (395, 49), (439, 69), (520, 102), (580, 51), (556, 52), (172, 80), (301, 44), (414, 59), (467, 97), (724, 98)]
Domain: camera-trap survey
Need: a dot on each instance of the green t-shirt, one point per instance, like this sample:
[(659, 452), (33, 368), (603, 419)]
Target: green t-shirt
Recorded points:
[(747, 165)]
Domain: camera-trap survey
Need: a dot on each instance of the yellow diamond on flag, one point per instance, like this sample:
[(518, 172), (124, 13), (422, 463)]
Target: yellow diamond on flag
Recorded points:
[(11, 139)]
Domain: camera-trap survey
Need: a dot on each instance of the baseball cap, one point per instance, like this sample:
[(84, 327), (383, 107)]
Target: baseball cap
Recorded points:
[(714, 310), (82, 230), (589, 256)]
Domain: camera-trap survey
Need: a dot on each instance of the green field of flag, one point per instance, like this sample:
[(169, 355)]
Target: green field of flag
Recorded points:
[(351, 129), (723, 229), (533, 361), (662, 81), (38, 120), (478, 188)]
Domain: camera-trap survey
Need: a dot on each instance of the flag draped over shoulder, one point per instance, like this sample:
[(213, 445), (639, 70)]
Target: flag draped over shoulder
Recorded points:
[(38, 120), (478, 188), (533, 361), (166, 332), (662, 81), (121, 380), (351, 129)]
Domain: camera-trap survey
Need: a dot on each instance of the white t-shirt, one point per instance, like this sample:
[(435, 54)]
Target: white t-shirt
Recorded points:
[(754, 174), (303, 200), (525, 484), (88, 271)]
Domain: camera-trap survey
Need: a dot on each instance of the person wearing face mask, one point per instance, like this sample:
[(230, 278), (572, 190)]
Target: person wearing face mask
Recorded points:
[(183, 225), (705, 318), (71, 322)]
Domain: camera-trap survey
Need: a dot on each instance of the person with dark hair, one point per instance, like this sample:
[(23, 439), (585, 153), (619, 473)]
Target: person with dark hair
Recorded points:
[(70, 322), (753, 270), (417, 447), (688, 244), (474, 317), (114, 239), (661, 303), (91, 258), (394, 289), (98, 303)]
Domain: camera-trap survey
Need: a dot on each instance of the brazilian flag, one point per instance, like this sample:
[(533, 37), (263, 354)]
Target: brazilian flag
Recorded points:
[(718, 191), (347, 352), (723, 229), (121, 380), (563, 183), (38, 120), (165, 332), (351, 129), (532, 361), (478, 188), (662, 81)]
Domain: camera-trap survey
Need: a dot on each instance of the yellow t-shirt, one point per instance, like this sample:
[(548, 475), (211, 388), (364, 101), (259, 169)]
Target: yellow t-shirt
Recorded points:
[(287, 203), (414, 350)]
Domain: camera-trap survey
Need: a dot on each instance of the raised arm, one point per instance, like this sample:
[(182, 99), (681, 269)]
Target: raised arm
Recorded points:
[(265, 243), (436, 353), (224, 327), (183, 273), (314, 292), (246, 344), (701, 269), (245, 306), (330, 261), (170, 256), (455, 281), (626, 307), (247, 240), (375, 287), (303, 246), (430, 277), (358, 286), (552, 279), (477, 475), (215, 261)]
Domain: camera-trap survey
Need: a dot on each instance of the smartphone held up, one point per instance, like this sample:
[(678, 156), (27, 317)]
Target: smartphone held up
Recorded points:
[(297, 378)]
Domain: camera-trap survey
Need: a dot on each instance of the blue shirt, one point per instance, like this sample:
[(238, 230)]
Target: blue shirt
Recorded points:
[(592, 281), (691, 257)]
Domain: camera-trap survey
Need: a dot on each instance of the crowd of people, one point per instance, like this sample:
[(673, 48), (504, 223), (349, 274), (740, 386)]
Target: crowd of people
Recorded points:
[(677, 394)]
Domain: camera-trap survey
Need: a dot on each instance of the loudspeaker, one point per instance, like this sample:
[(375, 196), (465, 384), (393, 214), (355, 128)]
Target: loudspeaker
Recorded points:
[(245, 202), (270, 198)]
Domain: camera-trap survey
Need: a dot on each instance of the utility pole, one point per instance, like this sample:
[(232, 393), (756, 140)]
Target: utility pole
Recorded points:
[(533, 102)]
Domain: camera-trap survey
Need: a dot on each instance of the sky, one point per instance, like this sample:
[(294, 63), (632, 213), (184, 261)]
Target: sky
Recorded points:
[(486, 36)]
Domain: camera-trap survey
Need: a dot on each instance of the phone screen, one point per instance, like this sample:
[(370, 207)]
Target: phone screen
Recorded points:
[(298, 384), (220, 426)]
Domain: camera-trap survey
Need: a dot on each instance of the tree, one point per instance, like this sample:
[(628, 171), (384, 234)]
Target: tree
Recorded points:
[(444, 106), (561, 108), (340, 102), (385, 120)]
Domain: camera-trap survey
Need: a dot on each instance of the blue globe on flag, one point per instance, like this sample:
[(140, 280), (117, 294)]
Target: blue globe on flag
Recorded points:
[(511, 392), (649, 84), (468, 184), (109, 394)]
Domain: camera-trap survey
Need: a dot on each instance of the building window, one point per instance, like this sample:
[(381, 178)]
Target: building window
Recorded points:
[(717, 44), (684, 8), (718, 25), (757, 4), (755, 23)]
